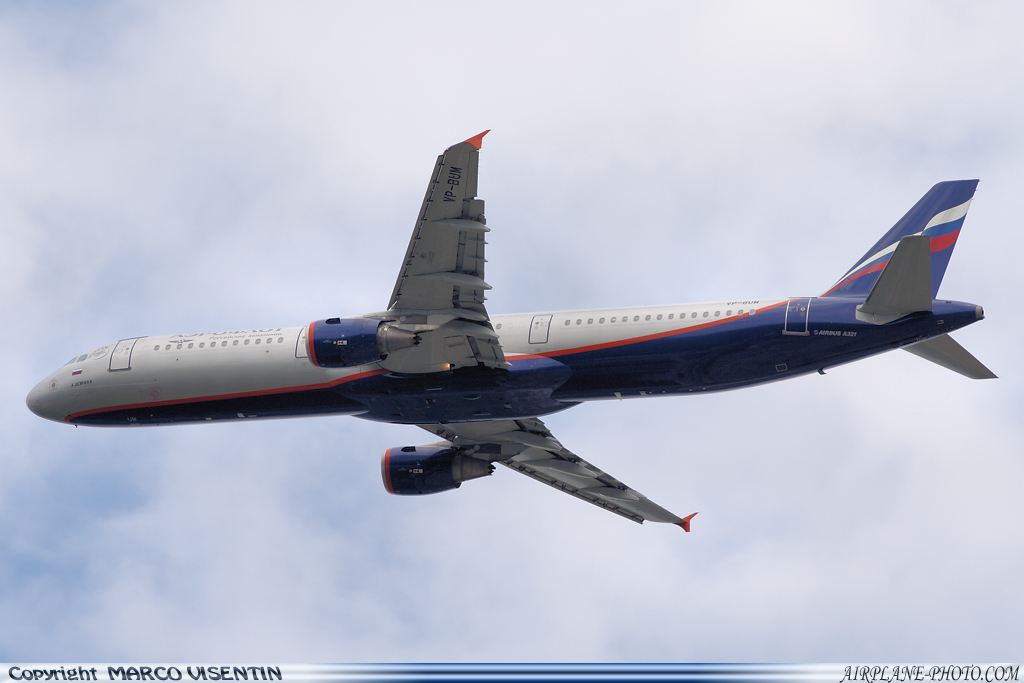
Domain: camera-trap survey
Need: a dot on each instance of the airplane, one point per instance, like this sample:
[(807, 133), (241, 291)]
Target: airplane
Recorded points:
[(436, 358)]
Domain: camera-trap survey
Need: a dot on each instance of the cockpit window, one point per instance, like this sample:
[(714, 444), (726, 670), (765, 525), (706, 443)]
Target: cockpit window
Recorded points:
[(74, 359), (83, 357)]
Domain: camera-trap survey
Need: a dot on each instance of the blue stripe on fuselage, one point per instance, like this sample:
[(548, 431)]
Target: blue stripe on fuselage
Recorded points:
[(749, 350)]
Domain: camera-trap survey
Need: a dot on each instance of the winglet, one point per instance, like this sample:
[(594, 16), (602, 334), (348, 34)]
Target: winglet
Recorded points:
[(478, 140), (686, 522)]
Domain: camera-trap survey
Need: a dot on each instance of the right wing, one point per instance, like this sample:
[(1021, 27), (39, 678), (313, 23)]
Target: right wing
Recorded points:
[(528, 447), (439, 294)]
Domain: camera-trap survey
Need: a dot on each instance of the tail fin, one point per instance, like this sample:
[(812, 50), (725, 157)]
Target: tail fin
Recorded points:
[(939, 215)]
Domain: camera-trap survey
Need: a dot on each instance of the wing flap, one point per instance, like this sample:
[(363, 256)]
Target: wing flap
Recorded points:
[(454, 344)]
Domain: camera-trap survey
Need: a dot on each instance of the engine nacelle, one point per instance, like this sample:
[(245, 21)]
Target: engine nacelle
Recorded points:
[(415, 470), (348, 342)]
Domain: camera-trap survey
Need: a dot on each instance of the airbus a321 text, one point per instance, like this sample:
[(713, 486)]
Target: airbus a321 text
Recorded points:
[(437, 359)]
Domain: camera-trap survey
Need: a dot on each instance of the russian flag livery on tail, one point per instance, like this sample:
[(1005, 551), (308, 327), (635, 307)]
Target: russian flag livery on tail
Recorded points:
[(939, 214), (437, 358)]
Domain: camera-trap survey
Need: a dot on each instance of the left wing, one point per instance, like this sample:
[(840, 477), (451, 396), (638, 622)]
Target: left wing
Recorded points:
[(527, 446), (439, 294)]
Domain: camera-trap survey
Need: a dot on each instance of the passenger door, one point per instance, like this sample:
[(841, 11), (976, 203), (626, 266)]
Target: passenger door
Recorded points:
[(121, 356), (796, 317), (539, 329)]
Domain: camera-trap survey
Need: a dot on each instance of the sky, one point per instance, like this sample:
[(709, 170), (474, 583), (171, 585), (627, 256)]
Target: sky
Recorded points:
[(183, 167)]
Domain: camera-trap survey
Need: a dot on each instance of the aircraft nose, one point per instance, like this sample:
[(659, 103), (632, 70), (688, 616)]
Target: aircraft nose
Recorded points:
[(42, 401)]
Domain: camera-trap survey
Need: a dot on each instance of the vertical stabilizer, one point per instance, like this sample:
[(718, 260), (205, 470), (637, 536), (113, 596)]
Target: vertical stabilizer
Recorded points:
[(939, 215)]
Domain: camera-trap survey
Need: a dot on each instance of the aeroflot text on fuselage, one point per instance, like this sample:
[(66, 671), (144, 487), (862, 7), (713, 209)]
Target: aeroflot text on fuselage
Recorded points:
[(436, 358)]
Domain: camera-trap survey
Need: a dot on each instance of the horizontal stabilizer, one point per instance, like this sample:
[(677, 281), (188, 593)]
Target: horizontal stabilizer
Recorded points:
[(905, 284), (946, 352)]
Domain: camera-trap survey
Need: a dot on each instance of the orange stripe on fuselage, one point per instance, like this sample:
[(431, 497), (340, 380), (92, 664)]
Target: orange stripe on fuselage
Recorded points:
[(222, 397), (380, 371), (646, 337)]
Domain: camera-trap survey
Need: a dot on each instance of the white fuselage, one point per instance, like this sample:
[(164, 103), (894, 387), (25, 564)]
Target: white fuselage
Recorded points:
[(210, 366)]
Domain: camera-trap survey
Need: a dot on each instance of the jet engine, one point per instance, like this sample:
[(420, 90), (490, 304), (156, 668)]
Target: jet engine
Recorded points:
[(415, 470), (347, 342)]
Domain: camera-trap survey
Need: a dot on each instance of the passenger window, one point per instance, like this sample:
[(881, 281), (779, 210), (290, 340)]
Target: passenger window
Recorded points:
[(566, 322), (612, 320), (179, 346), (705, 314), (234, 343), (739, 312), (647, 318), (258, 341), (156, 348), (728, 313), (718, 313), (190, 345), (590, 321), (659, 316), (167, 348), (499, 326), (636, 318), (670, 315), (579, 321), (225, 342), (247, 341), (694, 314), (202, 344), (280, 340)]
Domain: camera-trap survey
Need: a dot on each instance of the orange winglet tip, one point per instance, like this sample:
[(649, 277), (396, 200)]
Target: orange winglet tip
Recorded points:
[(478, 140), (686, 522)]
